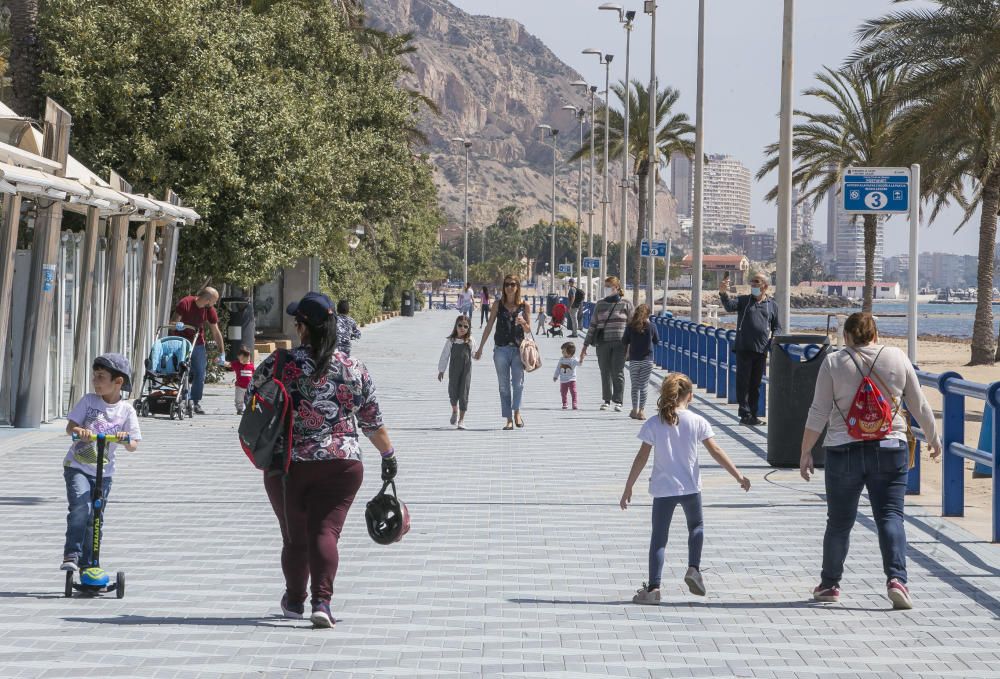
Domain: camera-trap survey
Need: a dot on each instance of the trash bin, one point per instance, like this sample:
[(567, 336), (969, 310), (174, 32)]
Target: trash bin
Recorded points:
[(241, 325), (795, 364), (407, 307), (551, 300)]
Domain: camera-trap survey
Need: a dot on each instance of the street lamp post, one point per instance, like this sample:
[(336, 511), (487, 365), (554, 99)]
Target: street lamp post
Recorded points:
[(625, 18), (554, 133), (580, 116), (697, 225), (605, 196), (650, 8), (465, 256), (784, 258), (590, 183)]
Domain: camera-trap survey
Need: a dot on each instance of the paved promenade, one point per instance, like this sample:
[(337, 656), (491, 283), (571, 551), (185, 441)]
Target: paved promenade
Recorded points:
[(519, 564)]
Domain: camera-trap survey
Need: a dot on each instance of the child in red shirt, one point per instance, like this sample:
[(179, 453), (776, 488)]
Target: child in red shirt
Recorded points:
[(242, 367)]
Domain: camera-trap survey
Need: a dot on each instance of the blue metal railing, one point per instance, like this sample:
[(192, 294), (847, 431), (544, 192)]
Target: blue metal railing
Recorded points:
[(705, 354)]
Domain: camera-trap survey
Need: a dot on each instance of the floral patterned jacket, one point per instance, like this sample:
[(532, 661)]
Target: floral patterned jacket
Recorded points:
[(325, 409)]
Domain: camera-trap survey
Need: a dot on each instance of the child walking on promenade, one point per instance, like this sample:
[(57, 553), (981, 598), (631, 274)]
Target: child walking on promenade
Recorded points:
[(566, 373), (242, 368), (674, 435), (639, 339), (103, 411), (456, 358)]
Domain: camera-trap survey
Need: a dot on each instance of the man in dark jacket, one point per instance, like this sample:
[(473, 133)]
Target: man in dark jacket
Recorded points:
[(756, 323), (574, 300)]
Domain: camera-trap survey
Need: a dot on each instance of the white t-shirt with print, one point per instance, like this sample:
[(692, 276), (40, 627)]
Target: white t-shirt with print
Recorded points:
[(675, 453), (100, 417)]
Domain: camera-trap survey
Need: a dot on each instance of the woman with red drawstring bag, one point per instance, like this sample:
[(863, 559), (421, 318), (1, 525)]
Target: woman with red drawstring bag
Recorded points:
[(859, 396)]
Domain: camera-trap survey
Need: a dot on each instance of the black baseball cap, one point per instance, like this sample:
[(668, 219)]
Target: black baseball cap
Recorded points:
[(313, 309), (118, 366)]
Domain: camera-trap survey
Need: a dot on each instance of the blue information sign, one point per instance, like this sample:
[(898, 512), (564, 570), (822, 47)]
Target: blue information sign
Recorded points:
[(566, 268), (876, 190), (593, 263), (659, 248)]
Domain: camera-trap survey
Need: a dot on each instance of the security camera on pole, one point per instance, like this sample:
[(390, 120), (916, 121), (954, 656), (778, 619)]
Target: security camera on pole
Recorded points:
[(605, 59)]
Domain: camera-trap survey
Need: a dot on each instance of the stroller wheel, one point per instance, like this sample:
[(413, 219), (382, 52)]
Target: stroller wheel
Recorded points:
[(190, 409), (137, 404), (173, 412), (180, 412)]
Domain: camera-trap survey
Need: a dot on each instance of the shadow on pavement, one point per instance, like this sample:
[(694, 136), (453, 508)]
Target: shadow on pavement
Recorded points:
[(30, 595), (169, 620), (24, 501), (798, 603)]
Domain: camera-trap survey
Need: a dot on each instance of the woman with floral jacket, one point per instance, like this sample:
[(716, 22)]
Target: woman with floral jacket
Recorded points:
[(329, 392)]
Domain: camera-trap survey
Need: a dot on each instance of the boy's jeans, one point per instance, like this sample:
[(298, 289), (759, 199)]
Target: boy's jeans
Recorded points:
[(79, 539), (848, 471)]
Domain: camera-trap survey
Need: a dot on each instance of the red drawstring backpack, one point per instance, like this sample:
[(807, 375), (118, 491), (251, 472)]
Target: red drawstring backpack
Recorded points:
[(869, 417)]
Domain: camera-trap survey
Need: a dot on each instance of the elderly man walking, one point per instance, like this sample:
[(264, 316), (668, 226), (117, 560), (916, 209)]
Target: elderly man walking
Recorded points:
[(191, 315), (756, 323)]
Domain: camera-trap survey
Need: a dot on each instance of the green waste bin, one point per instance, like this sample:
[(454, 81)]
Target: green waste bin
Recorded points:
[(795, 364)]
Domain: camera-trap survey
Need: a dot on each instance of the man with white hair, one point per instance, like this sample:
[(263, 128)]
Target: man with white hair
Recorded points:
[(190, 317)]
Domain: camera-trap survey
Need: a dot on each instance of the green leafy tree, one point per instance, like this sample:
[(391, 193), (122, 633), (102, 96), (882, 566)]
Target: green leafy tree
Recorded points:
[(806, 266), (673, 134), (857, 128), (951, 122)]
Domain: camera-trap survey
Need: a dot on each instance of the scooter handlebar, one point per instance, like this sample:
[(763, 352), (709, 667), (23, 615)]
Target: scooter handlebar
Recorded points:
[(107, 438)]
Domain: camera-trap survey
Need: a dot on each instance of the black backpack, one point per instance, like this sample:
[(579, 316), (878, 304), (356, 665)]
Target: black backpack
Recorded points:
[(266, 426), (580, 297)]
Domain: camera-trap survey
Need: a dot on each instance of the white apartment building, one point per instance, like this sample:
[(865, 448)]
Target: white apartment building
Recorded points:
[(848, 233), (802, 218), (727, 193), (682, 183)]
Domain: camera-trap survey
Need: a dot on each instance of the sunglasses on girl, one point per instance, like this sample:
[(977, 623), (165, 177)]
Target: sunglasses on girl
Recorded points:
[(462, 325), (510, 284)]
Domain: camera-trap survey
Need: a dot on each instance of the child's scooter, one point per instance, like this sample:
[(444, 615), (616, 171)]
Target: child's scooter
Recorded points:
[(93, 579)]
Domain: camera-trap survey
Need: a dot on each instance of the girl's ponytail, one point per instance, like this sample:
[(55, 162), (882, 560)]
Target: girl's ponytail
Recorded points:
[(674, 392)]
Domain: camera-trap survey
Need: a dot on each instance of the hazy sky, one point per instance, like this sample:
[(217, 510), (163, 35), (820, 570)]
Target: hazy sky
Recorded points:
[(742, 74)]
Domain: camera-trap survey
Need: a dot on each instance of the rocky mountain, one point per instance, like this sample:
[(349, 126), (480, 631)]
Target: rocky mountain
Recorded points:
[(494, 83)]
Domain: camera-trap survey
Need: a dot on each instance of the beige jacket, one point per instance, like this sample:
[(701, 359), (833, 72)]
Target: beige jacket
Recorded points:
[(839, 380)]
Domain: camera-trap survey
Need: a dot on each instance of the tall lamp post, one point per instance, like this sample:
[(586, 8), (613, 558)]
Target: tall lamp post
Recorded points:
[(590, 182), (554, 133), (650, 8), (465, 260), (605, 196), (698, 223), (580, 116), (784, 258), (625, 18)]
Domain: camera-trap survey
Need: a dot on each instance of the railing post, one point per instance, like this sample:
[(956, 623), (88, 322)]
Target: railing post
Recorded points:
[(671, 344), (913, 478), (722, 363), (731, 367), (953, 431), (762, 398), (993, 400), (690, 344), (711, 354)]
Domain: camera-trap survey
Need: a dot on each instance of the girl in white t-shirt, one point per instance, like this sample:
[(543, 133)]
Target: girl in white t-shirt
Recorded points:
[(674, 434)]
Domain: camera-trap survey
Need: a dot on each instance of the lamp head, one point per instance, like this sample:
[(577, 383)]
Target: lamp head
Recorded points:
[(594, 50), (610, 6), (579, 83), (461, 140)]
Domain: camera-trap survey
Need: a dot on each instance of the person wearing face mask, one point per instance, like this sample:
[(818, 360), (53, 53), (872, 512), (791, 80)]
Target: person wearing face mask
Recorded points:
[(756, 323), (607, 326)]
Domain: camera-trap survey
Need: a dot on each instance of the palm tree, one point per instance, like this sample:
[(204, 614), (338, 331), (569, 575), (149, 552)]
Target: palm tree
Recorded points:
[(858, 131), (23, 65), (672, 135), (952, 119)]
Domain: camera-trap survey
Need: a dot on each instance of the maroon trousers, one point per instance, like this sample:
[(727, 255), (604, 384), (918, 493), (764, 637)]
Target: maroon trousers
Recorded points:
[(311, 504)]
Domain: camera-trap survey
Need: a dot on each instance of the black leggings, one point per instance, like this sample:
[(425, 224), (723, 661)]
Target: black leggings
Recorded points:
[(484, 315)]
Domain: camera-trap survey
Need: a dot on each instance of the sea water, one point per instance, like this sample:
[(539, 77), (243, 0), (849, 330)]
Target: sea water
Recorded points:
[(949, 320)]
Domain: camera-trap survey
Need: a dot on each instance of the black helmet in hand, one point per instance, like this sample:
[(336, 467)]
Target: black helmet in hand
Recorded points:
[(387, 518)]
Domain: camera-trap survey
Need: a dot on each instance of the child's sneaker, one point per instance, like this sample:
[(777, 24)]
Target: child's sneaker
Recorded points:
[(618, 407), (695, 582), (605, 405), (647, 595), (321, 615), (292, 610), (899, 595), (564, 406), (830, 595), (69, 564)]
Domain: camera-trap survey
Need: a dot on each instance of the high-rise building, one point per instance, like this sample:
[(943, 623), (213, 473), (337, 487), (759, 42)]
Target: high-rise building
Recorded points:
[(802, 218), (849, 246), (727, 193), (832, 196), (945, 270), (682, 183)]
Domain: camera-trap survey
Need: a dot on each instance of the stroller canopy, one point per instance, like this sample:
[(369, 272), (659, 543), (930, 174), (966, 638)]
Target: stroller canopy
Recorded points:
[(167, 354)]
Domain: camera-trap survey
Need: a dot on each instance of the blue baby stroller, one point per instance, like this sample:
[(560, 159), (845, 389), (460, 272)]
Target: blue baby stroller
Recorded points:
[(166, 382)]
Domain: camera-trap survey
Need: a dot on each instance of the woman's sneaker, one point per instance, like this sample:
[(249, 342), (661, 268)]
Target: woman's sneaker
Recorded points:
[(321, 615), (292, 610), (605, 405), (694, 582), (829, 595), (899, 595), (647, 595)]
